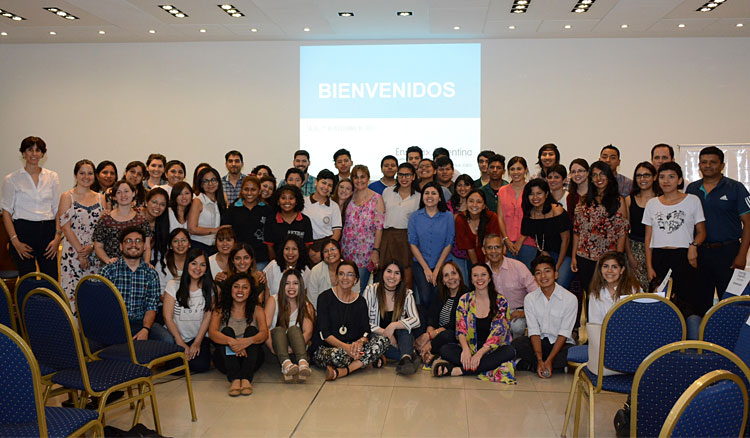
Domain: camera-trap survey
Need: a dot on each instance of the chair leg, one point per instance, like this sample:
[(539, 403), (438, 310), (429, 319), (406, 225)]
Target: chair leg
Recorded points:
[(189, 384), (130, 395), (577, 420), (154, 408), (591, 415), (138, 405), (573, 390)]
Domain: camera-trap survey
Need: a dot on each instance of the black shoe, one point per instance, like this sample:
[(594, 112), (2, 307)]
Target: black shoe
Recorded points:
[(522, 365), (402, 363)]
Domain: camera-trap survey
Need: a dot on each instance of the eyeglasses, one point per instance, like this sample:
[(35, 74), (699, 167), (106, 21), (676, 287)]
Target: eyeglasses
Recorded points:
[(346, 274), (330, 250), (210, 181), (136, 240), (575, 172), (643, 175), (598, 175), (405, 175), (494, 247)]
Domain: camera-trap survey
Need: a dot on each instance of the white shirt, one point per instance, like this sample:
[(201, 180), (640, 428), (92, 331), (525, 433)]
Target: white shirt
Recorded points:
[(673, 225), (173, 222), (273, 276), (319, 281), (550, 318), (167, 188), (409, 315), (398, 210), (166, 276), (214, 265), (292, 316), (324, 218), (188, 319), (24, 200), (209, 218), (598, 307)]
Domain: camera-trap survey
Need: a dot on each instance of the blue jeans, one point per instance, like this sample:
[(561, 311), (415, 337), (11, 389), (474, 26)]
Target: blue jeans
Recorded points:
[(526, 254), (425, 291), (260, 265), (693, 324), (405, 345), (364, 277), (157, 332), (565, 275)]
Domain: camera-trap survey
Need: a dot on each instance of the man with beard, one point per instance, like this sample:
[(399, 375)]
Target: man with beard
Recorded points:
[(232, 181), (302, 162)]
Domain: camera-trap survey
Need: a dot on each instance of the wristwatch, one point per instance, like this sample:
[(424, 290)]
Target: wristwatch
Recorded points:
[(695, 244)]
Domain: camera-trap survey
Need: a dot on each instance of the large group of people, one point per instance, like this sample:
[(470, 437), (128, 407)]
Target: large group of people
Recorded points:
[(422, 266)]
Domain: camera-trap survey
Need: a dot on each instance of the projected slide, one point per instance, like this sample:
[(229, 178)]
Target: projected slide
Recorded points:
[(376, 100)]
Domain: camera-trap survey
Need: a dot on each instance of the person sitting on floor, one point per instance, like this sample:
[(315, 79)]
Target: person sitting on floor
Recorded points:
[(550, 314)]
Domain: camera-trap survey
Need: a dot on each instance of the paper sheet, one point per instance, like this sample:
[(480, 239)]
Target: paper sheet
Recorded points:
[(738, 282)]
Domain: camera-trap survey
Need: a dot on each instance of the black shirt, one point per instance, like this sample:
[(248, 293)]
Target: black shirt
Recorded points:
[(637, 229), (387, 319), (546, 231), (483, 329), (248, 226), (276, 230), (333, 314)]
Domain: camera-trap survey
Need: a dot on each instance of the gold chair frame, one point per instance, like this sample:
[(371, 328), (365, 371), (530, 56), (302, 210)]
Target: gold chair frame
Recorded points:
[(11, 306), (715, 308)]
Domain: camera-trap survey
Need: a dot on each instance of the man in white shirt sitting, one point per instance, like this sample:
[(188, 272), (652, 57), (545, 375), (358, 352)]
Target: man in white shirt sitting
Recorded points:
[(550, 314)]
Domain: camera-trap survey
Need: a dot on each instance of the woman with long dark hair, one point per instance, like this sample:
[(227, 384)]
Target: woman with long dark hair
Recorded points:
[(155, 212), (107, 231), (106, 175), (204, 219), (134, 173), (174, 171), (483, 333), (293, 255), (291, 319), (510, 212), (644, 189), (180, 201), (187, 310), (238, 328), (458, 205), (170, 266), (578, 186), (471, 226), (393, 314), (400, 203)]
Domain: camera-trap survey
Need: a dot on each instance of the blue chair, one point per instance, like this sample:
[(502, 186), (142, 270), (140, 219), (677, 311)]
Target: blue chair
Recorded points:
[(666, 373), (7, 314), (31, 281), (721, 324), (633, 328), (745, 292), (104, 320), (53, 336), (578, 355), (742, 348), (22, 410), (694, 414)]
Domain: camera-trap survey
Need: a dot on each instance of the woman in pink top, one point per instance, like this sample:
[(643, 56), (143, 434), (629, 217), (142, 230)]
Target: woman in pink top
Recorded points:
[(510, 213)]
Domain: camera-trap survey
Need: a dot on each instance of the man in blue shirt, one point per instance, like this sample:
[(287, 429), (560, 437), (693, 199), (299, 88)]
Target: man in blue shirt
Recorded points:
[(726, 204), (138, 284)]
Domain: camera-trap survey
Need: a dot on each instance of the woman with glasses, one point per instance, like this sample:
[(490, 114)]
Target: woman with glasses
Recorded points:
[(579, 185), (400, 202), (323, 275), (644, 189), (204, 219)]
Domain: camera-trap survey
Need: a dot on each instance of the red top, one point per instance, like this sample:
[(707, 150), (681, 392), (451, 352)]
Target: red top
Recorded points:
[(465, 237)]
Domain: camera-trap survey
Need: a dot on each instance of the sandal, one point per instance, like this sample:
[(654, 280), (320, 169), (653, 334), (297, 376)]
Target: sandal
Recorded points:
[(304, 370), (379, 362), (247, 390), (289, 370), (234, 392), (334, 373), (442, 369)]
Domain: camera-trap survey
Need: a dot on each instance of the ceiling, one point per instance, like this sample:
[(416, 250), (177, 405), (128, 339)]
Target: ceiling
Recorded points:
[(280, 20)]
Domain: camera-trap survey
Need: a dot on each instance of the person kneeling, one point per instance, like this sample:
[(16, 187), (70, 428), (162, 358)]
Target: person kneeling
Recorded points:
[(393, 314), (344, 329), (483, 333), (238, 328), (291, 328), (550, 314)]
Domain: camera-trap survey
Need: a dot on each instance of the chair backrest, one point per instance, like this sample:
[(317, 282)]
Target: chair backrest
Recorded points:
[(50, 330), (721, 324), (745, 292), (742, 348), (35, 280), (20, 385), (635, 327), (7, 315), (695, 413), (667, 373), (101, 312)]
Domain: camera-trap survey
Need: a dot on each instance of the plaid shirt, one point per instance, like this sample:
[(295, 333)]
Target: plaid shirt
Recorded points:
[(624, 184), (232, 192), (140, 289), (308, 188)]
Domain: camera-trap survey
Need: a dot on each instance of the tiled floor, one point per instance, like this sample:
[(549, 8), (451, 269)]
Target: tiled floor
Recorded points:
[(372, 403)]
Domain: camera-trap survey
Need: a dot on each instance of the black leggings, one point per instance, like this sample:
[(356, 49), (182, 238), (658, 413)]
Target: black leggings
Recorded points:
[(490, 361), (445, 337), (686, 291), (37, 235), (239, 367)]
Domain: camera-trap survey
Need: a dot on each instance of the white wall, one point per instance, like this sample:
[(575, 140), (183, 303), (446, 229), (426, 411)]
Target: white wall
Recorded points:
[(194, 101)]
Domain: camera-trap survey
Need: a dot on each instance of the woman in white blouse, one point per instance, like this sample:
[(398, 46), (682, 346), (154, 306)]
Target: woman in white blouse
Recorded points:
[(613, 279), (30, 199), (204, 218), (400, 202)]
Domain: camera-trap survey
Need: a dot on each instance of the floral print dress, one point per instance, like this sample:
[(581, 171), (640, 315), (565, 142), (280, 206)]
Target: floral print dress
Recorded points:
[(360, 226), (500, 334), (82, 221), (597, 231)]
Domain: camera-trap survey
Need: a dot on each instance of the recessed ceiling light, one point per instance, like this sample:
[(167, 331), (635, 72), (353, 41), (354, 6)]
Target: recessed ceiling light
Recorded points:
[(404, 14), (180, 15), (567, 26), (231, 10), (710, 5), (519, 11), (70, 17), (739, 24), (346, 14), (705, 9), (166, 7), (151, 31), (236, 15), (253, 30), (511, 27), (225, 7), (3, 33), (16, 18), (522, 2), (60, 13), (101, 32), (307, 29), (173, 11), (520, 6), (582, 6), (53, 33), (202, 31), (680, 25), (456, 27), (623, 26), (579, 10)]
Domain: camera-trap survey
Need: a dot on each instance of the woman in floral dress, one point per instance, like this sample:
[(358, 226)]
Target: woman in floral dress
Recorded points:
[(107, 231), (363, 226), (80, 209)]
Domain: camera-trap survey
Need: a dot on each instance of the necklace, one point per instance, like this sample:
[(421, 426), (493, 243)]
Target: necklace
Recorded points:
[(344, 314), (540, 248)]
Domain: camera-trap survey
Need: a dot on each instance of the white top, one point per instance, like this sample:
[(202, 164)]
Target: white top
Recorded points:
[(214, 265), (164, 279), (598, 307), (273, 276), (409, 316), (324, 218), (319, 281), (292, 316), (188, 320), (209, 218), (550, 318), (673, 225), (173, 222), (564, 200), (397, 210), (24, 200), (166, 187)]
